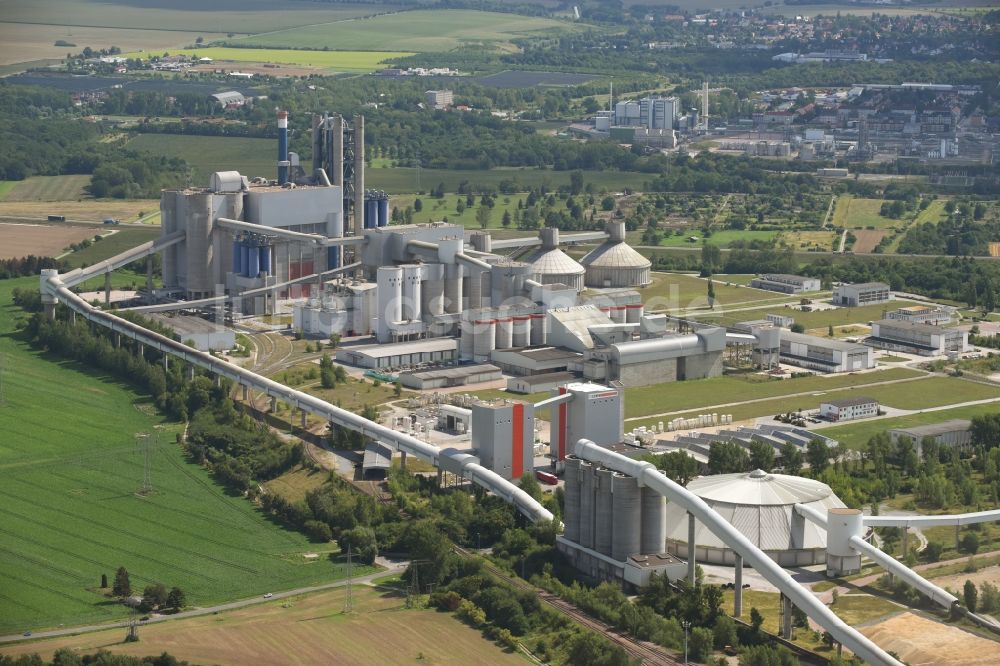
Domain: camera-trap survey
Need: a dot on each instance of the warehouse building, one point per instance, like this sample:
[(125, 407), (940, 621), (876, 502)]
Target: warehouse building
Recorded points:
[(401, 354), (913, 338), (866, 293), (438, 378), (921, 314), (824, 354), (955, 433), (673, 357), (785, 284), (200, 333), (761, 506), (527, 361), (848, 409), (540, 383)]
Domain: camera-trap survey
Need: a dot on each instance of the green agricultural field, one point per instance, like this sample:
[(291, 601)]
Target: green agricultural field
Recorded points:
[(677, 291), (405, 179), (853, 212), (123, 239), (208, 154), (70, 511), (434, 210), (5, 187), (719, 238), (423, 30), (341, 61), (856, 435), (219, 16), (48, 188), (818, 319), (934, 213)]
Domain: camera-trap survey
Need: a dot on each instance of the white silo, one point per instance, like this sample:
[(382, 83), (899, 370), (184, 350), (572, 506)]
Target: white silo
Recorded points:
[(615, 263), (411, 292), (390, 300)]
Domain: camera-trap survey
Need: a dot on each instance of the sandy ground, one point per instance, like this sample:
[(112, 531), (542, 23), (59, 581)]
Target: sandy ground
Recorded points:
[(867, 239), (922, 642), (20, 240), (22, 42), (956, 581)]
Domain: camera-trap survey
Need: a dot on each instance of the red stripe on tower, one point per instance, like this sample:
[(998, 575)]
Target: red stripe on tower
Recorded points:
[(517, 455)]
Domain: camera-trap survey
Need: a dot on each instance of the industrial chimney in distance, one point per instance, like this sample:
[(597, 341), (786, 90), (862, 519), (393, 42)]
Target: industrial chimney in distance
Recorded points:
[(283, 163)]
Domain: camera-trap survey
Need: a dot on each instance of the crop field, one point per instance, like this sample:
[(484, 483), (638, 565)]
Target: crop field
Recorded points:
[(308, 629), (341, 61), (83, 210), (422, 30), (218, 16), (208, 154), (853, 212), (48, 188), (856, 435), (70, 511), (678, 291), (867, 239), (41, 240), (405, 179), (719, 238), (123, 239), (817, 319), (20, 42), (6, 186)]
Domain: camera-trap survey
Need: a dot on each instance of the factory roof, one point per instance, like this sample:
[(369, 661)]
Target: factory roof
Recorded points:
[(414, 347), (759, 488), (929, 329), (547, 378), (611, 254), (554, 262), (458, 372), (934, 429), (655, 348), (867, 285), (851, 402), (377, 456), (828, 343), (186, 325), (544, 353)]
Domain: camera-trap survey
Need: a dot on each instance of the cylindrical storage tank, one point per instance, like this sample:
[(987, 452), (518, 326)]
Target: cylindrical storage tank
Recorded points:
[(538, 333), (371, 213), (633, 313), (383, 211), (841, 525), (602, 511), (627, 517), (265, 259), (245, 259), (411, 292), (332, 257), (618, 314), (466, 347), (475, 292), (654, 522), (237, 257), (453, 288), (253, 262), (484, 338), (389, 280), (522, 331), (505, 333), (571, 512), (587, 505), (432, 290)]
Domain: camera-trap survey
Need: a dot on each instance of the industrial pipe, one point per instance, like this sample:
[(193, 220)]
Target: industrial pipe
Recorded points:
[(955, 519), (79, 275), (649, 476), (915, 580), (297, 236)]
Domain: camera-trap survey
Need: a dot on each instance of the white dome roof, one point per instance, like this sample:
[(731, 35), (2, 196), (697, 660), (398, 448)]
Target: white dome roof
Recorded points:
[(758, 488), (554, 262), (615, 255)]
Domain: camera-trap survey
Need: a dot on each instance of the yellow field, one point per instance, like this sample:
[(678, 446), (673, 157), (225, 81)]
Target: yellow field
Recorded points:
[(344, 61)]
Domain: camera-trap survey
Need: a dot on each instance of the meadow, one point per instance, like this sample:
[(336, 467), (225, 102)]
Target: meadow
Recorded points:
[(674, 291), (6, 186), (116, 243), (408, 180), (70, 511), (208, 154), (48, 188), (422, 30), (817, 319), (719, 238), (341, 61), (852, 212)]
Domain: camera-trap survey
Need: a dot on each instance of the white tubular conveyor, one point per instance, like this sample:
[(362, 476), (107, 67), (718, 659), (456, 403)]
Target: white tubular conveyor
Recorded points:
[(650, 477)]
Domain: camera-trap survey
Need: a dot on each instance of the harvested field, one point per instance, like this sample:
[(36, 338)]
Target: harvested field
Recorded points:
[(49, 188), (922, 642), (87, 210), (41, 240), (312, 630), (867, 239)]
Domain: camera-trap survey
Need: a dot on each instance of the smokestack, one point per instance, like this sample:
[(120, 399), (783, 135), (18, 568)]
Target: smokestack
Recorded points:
[(283, 163)]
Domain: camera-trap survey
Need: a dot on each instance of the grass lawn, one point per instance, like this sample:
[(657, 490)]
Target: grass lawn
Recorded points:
[(70, 511), (5, 187), (678, 291), (426, 30), (934, 212), (803, 241), (341, 61), (435, 210), (313, 628), (857, 608), (294, 484), (817, 319), (49, 188), (719, 238), (854, 212), (887, 358), (208, 154), (856, 435), (109, 246)]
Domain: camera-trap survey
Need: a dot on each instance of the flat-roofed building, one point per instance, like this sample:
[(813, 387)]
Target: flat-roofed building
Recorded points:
[(440, 99), (540, 383), (401, 354), (848, 409), (534, 360), (922, 314), (824, 354), (202, 334), (956, 433), (462, 375), (865, 293), (785, 284), (913, 338)]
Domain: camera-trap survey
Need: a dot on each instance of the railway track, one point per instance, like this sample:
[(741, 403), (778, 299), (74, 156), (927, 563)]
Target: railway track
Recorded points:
[(647, 653)]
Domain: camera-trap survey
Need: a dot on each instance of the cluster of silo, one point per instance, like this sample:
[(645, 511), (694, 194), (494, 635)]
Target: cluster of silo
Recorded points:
[(488, 329), (610, 513), (376, 209), (251, 256), (550, 265), (615, 263)]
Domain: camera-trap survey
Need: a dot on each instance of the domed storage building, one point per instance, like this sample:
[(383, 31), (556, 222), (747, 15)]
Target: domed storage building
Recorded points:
[(760, 505), (615, 263), (550, 265)]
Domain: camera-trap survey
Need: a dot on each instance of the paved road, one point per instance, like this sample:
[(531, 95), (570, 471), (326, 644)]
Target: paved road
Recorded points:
[(393, 567)]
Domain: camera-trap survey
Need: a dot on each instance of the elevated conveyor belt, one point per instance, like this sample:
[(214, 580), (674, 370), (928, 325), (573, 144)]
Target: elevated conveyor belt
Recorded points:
[(75, 277), (952, 520), (458, 462), (650, 477)]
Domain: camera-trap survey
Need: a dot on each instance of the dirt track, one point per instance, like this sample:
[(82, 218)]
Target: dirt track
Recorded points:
[(20, 240), (922, 642)]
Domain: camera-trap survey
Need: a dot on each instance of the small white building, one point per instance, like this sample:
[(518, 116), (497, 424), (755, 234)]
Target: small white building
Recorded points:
[(440, 99), (202, 334), (865, 293), (785, 284), (848, 409)]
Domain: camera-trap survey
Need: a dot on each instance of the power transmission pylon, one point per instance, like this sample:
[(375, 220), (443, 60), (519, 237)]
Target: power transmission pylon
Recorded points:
[(349, 599), (145, 443), (413, 589), (133, 633)]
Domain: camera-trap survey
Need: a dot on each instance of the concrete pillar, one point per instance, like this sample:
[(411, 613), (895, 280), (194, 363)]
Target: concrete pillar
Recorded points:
[(149, 274), (246, 393), (402, 460), (440, 477), (691, 549), (72, 318), (274, 405), (141, 348), (906, 542), (50, 311), (166, 363), (191, 373), (738, 588), (958, 537), (786, 618), (107, 288), (118, 340), (304, 419)]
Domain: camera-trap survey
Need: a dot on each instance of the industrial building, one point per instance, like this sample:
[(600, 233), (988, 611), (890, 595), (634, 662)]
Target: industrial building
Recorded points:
[(200, 333), (922, 314), (785, 284), (762, 507), (503, 435), (848, 409), (550, 265), (825, 354), (956, 433), (439, 99), (698, 444), (866, 293), (449, 377), (913, 338), (648, 112), (614, 263), (399, 355)]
